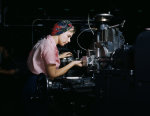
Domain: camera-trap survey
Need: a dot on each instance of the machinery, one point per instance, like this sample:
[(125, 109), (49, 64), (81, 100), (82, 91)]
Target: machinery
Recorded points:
[(108, 40)]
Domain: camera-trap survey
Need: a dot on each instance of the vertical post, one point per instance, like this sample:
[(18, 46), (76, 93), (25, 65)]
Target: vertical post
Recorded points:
[(97, 48)]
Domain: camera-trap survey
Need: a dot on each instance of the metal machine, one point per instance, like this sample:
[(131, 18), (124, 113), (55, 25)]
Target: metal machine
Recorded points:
[(108, 40)]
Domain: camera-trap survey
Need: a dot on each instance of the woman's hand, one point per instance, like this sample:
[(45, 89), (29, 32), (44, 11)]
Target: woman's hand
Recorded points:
[(77, 63), (53, 72), (65, 54)]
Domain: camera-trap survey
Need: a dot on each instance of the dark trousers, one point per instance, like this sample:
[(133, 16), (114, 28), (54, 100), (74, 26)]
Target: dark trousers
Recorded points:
[(34, 97)]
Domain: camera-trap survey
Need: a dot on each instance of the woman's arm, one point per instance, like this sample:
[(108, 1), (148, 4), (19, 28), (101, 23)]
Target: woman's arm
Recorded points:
[(65, 54), (53, 72)]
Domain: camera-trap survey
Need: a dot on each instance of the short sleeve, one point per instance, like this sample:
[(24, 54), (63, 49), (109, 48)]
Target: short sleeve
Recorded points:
[(49, 56)]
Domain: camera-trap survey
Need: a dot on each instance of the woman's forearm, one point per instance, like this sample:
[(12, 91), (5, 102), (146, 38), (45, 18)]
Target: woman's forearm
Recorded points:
[(53, 72), (64, 69)]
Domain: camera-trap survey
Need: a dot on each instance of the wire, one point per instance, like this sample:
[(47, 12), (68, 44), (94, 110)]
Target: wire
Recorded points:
[(89, 25), (80, 34), (84, 31)]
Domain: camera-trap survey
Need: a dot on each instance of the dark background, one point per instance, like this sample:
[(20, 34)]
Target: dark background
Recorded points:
[(23, 22), (18, 16)]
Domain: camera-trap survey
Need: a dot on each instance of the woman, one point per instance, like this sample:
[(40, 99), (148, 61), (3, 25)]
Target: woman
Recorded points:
[(44, 61)]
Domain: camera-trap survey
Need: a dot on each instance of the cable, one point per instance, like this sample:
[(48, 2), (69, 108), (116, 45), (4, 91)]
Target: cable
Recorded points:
[(80, 34), (89, 25), (84, 31)]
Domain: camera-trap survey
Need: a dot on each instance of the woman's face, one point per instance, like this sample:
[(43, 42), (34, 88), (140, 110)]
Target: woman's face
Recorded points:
[(64, 38)]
